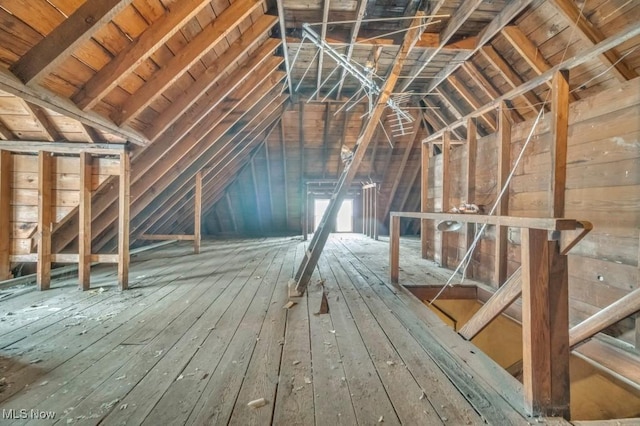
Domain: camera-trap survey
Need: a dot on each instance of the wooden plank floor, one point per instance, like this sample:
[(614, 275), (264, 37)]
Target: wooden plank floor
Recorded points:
[(199, 336)]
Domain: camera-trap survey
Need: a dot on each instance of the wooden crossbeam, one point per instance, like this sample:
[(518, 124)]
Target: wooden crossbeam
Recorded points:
[(47, 99), (59, 44), (40, 117), (34, 147), (137, 52), (200, 45)]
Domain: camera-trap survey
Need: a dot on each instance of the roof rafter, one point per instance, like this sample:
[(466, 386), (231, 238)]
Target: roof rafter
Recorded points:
[(360, 10), (471, 99), (137, 52), (60, 43), (609, 58), (177, 66)]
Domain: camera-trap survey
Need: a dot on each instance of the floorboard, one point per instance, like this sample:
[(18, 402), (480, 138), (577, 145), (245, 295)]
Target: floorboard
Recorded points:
[(199, 337)]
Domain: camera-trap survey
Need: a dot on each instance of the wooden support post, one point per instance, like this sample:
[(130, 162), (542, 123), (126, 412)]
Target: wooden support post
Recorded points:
[(446, 152), (470, 189), (365, 220), (45, 176), (424, 196), (375, 211), (394, 248), (256, 195), (5, 214), (197, 211), (123, 222), (504, 167), (84, 216), (284, 171), (559, 136), (545, 325), (301, 163), (305, 214)]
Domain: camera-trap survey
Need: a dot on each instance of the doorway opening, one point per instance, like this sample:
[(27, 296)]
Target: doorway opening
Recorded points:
[(344, 220)]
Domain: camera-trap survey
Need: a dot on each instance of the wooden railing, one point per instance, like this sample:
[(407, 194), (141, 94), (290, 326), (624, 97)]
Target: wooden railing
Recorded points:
[(542, 281)]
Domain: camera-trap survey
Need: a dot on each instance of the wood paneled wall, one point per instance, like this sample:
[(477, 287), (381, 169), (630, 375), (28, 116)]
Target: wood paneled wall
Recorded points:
[(603, 187)]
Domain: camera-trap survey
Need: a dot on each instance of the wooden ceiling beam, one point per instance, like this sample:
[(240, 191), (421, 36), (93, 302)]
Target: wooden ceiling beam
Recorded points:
[(529, 52), (119, 68), (483, 83), (360, 10), (610, 58), (323, 35), (198, 91), (622, 36), (456, 20), (510, 76), (177, 66), (508, 13), (472, 100), (54, 102), (44, 121), (59, 44), (5, 133)]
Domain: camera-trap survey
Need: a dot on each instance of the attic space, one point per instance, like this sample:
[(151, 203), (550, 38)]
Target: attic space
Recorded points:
[(320, 212)]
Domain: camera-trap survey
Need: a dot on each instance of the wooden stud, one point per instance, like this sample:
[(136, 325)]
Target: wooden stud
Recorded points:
[(545, 325), (123, 222), (424, 196), (394, 248), (504, 167), (285, 177), (58, 45), (256, 195), (446, 191), (559, 139), (470, 166), (84, 231), (45, 186), (375, 211), (5, 214), (197, 213)]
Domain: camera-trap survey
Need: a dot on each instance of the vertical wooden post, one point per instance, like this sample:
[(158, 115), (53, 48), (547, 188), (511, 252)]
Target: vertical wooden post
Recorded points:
[(545, 325), (470, 190), (446, 151), (5, 214), (231, 212), (123, 222), (303, 186), (559, 136), (394, 248), (375, 210), (305, 214), (504, 167), (45, 176), (365, 214), (197, 210), (84, 222), (424, 195)]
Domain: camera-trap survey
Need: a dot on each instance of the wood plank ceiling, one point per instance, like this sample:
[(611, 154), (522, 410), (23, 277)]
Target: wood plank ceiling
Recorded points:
[(201, 85)]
